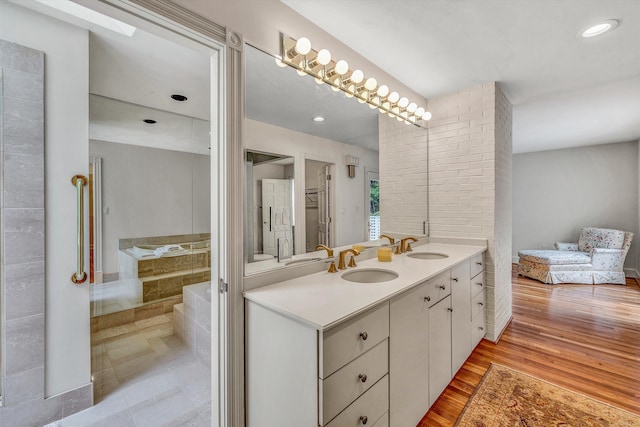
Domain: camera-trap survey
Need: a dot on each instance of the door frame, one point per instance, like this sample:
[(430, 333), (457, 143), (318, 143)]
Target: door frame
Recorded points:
[(227, 122), (301, 234)]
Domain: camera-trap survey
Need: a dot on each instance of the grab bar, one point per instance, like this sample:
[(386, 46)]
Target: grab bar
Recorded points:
[(79, 182)]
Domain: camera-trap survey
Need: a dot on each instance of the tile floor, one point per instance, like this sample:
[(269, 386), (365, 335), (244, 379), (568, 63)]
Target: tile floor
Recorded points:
[(144, 376)]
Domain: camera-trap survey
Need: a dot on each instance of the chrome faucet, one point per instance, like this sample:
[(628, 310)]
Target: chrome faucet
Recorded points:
[(405, 244), (342, 264), (326, 248)]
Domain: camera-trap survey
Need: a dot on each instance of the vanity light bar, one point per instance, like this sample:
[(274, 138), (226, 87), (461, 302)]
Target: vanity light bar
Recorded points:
[(336, 73)]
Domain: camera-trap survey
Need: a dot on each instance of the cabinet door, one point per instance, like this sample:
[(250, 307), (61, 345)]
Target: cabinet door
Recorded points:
[(408, 357), (439, 348), (460, 316)]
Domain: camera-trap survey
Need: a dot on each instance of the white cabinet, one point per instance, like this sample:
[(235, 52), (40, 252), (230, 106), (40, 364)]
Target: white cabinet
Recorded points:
[(299, 376), (439, 348), (478, 300), (461, 316), (409, 356)]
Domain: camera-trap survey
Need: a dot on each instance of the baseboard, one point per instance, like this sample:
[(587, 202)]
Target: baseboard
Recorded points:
[(514, 260), (631, 272)]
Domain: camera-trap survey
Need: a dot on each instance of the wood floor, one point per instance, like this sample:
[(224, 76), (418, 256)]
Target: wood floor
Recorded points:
[(582, 337)]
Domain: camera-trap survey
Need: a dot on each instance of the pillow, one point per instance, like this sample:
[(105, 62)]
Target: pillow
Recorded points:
[(591, 237)]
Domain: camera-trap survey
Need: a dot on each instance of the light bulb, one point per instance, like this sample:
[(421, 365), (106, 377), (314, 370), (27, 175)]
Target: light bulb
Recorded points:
[(404, 114), (301, 73), (351, 88), (426, 116), (393, 97), (395, 111), (375, 101), (361, 101), (399, 119), (383, 90), (318, 80), (341, 67), (279, 63), (335, 89), (420, 111), (324, 57), (386, 105), (371, 83), (373, 107), (391, 115), (412, 107), (303, 46), (357, 76), (404, 101)]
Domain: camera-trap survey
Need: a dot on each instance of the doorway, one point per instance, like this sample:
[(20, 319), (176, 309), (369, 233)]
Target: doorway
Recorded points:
[(319, 204), (372, 195)]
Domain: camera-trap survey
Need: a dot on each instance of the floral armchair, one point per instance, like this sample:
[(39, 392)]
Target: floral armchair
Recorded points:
[(598, 257)]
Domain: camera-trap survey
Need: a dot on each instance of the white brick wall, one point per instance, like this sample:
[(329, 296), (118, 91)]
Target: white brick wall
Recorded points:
[(403, 176), (466, 187)]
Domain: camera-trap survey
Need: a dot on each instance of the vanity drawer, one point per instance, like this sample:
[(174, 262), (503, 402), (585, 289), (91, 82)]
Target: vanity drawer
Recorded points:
[(478, 328), (349, 382), (477, 304), (438, 287), (477, 264), (368, 408), (383, 421), (477, 284), (350, 339)]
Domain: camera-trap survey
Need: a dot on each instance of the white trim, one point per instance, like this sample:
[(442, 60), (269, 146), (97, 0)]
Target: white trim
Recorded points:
[(631, 272)]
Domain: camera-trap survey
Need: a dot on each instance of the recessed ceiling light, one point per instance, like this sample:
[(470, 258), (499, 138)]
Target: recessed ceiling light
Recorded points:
[(178, 97), (599, 28), (89, 15), (318, 119), (150, 121)]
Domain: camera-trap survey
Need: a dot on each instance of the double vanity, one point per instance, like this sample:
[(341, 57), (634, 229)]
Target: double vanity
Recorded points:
[(370, 345)]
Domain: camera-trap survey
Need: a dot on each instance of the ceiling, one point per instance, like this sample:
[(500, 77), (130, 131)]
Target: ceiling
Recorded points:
[(566, 91)]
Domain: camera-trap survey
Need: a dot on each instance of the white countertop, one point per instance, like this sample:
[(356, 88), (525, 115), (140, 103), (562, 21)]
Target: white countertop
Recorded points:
[(324, 299)]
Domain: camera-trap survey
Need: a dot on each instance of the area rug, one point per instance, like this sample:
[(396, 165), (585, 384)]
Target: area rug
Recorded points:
[(506, 397)]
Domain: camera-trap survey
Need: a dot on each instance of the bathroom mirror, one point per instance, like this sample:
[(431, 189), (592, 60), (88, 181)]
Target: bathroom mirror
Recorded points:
[(319, 132)]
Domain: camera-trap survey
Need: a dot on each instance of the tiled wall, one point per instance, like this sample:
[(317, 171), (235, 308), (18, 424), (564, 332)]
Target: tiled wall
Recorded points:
[(468, 184), (22, 245)]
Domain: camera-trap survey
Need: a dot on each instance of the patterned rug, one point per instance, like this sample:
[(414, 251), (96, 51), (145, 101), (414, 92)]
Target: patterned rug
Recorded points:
[(510, 398)]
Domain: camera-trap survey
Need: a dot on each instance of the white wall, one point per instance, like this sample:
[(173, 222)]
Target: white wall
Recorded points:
[(261, 21), (350, 197), (557, 192), (148, 192), (67, 351)]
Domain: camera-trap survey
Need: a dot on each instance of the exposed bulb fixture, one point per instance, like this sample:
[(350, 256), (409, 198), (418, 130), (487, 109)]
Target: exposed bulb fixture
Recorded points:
[(357, 76), (371, 84), (303, 46), (318, 119), (324, 57), (341, 67), (383, 90), (599, 28), (320, 65)]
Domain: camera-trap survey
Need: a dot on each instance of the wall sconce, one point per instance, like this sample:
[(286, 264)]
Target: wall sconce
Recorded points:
[(336, 73), (351, 162)]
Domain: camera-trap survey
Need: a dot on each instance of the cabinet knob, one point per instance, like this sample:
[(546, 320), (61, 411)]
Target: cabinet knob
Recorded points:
[(455, 279), (481, 328), (364, 336), (364, 420), (427, 298), (480, 284), (481, 303), (362, 378), (478, 263), (449, 308), (443, 287)]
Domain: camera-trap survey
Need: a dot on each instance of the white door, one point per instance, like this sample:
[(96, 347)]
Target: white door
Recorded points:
[(372, 200), (324, 206), (276, 213)]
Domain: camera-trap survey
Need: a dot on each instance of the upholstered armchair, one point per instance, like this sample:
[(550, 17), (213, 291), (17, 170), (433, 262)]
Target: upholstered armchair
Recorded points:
[(598, 257)]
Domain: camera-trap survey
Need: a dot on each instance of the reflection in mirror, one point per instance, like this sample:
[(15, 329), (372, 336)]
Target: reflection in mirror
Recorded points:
[(333, 143)]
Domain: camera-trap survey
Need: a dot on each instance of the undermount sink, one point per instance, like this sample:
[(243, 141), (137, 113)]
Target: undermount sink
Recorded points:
[(369, 275), (427, 255)]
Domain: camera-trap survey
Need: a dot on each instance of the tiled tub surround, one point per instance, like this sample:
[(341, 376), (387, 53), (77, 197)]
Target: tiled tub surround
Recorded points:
[(164, 276), (310, 333), (192, 320)]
